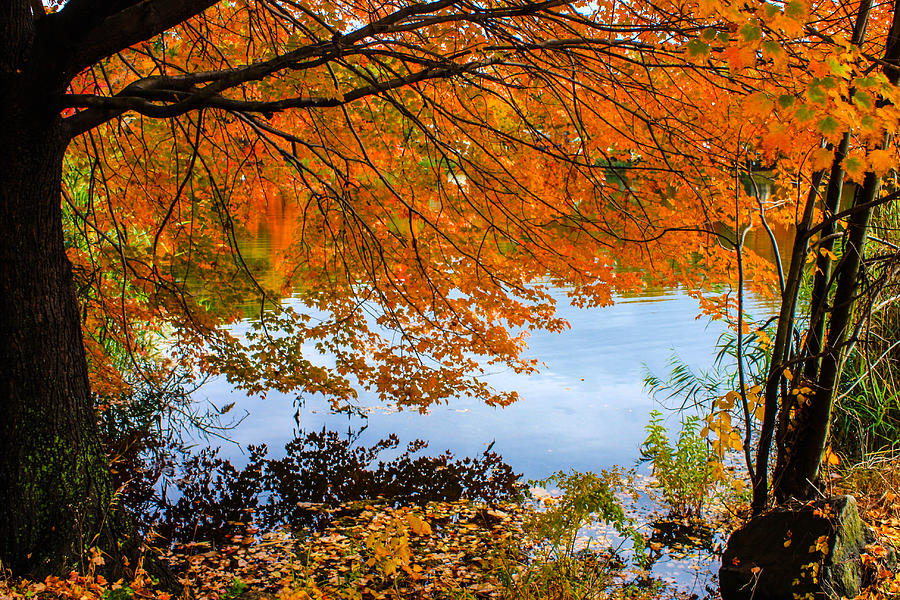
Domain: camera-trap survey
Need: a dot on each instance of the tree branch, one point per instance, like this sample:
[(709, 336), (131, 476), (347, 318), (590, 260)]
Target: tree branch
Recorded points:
[(87, 31), (101, 109), (37, 9)]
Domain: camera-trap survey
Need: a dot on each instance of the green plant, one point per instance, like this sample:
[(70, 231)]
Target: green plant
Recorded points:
[(586, 499), (560, 563), (235, 590), (122, 593), (683, 473), (867, 416)]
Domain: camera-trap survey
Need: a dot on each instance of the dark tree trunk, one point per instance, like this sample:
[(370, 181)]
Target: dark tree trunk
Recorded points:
[(804, 425), (55, 490), (782, 348), (804, 436)]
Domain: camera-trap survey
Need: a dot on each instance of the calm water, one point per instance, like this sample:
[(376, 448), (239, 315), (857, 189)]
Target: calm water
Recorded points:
[(585, 410)]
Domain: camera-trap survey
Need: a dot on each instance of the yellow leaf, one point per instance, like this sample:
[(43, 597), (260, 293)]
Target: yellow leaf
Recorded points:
[(389, 567), (418, 525), (821, 159), (821, 545), (826, 252), (881, 161), (760, 412)]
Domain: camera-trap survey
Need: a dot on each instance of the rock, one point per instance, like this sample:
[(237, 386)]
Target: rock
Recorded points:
[(804, 551)]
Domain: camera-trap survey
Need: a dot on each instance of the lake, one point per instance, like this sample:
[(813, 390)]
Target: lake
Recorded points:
[(585, 410)]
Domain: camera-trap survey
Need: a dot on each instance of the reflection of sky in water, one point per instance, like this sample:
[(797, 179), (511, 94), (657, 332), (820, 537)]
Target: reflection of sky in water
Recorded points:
[(585, 410)]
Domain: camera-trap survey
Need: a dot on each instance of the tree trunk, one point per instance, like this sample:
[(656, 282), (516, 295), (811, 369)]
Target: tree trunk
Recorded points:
[(804, 435), (782, 348), (55, 489)]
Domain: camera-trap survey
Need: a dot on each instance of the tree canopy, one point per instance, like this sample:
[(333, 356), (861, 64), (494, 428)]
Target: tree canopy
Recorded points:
[(445, 163)]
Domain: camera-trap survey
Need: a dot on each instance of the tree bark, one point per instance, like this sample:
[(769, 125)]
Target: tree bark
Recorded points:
[(818, 302), (55, 489)]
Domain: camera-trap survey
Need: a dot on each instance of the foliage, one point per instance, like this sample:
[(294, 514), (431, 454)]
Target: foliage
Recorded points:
[(868, 413), (236, 589), (468, 551), (438, 550), (715, 392), (88, 586), (443, 165), (216, 175), (443, 550), (867, 419), (685, 473), (122, 593), (560, 561), (690, 388), (585, 499), (875, 482)]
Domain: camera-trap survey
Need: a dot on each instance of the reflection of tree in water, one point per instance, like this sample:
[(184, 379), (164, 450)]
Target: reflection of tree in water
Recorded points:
[(680, 538), (319, 475), (686, 552)]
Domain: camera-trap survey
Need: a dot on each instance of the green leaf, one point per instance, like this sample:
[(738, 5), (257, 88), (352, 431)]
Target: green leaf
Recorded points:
[(853, 164), (697, 47), (815, 93), (837, 68), (828, 125), (863, 99), (751, 33), (804, 112), (709, 34), (772, 47), (786, 100), (795, 10)]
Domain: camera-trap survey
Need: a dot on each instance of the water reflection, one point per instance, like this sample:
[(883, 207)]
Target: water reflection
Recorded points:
[(585, 410), (317, 478)]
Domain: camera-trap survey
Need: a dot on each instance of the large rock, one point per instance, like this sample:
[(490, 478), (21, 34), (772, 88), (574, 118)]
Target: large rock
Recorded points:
[(805, 551)]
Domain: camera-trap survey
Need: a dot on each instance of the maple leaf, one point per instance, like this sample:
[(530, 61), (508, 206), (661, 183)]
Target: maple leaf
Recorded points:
[(881, 161), (821, 159), (739, 57), (855, 167), (759, 105)]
